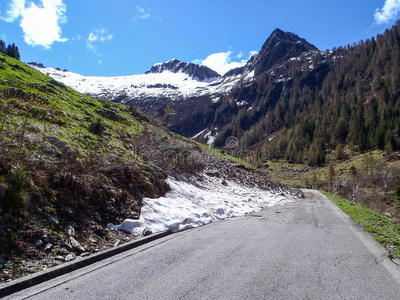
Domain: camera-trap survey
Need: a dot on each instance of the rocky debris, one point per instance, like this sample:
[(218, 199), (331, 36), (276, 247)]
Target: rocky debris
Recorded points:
[(48, 247), (70, 257), (62, 146), (52, 219), (70, 230), (76, 245)]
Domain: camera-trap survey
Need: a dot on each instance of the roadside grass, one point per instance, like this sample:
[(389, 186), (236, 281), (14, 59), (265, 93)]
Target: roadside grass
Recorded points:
[(302, 175), (383, 228)]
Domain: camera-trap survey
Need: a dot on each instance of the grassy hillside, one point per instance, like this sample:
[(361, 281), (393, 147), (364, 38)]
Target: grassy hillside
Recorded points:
[(371, 179), (72, 164)]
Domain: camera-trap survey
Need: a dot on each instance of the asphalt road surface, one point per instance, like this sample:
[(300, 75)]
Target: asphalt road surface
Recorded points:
[(304, 250)]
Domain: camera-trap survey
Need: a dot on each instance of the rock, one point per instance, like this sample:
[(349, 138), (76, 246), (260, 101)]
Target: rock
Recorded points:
[(70, 230), (146, 232), (39, 243), (52, 219), (48, 247), (70, 257), (48, 150), (177, 66), (109, 114), (98, 217), (220, 211), (76, 245), (55, 263), (2, 261), (59, 257), (213, 173), (1, 266), (116, 243), (64, 251), (62, 146), (68, 210), (84, 254), (45, 238)]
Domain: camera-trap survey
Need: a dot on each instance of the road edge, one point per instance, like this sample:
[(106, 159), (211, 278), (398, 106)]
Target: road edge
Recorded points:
[(51, 273), (376, 248)]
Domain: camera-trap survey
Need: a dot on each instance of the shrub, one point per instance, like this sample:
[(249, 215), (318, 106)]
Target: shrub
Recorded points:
[(12, 196), (97, 126), (397, 194)]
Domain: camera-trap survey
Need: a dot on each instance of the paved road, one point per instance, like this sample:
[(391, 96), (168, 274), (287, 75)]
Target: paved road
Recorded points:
[(305, 250)]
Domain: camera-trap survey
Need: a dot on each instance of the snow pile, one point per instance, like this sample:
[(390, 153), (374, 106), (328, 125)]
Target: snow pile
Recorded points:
[(189, 205)]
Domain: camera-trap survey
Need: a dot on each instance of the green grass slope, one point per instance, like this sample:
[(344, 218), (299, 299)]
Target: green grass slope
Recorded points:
[(68, 160)]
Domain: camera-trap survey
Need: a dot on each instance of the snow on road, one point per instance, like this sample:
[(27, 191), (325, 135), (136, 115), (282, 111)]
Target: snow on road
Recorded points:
[(192, 204)]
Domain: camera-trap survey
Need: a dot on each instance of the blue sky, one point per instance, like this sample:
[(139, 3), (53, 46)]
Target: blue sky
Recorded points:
[(124, 37)]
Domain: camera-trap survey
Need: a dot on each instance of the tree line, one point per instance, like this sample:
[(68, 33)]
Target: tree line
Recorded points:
[(338, 101), (10, 50)]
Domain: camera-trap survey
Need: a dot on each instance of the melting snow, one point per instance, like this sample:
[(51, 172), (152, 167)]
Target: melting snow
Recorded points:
[(189, 205)]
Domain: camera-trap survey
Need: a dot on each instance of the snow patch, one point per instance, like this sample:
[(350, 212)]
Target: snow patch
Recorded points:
[(211, 138), (189, 205), (199, 134)]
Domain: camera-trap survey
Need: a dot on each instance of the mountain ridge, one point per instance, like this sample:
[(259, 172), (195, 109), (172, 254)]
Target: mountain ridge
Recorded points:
[(202, 73)]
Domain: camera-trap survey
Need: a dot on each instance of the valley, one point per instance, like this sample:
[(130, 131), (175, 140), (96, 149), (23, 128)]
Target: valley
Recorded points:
[(88, 163)]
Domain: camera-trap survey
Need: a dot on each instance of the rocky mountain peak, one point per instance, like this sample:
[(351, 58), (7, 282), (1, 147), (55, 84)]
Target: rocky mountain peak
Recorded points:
[(279, 47), (201, 73)]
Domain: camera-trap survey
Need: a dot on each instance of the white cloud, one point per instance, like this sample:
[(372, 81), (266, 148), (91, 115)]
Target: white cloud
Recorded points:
[(98, 35), (222, 62), (389, 12), (140, 9), (40, 24), (143, 14), (251, 53)]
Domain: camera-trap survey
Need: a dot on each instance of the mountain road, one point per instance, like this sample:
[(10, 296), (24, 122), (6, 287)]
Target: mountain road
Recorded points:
[(308, 249)]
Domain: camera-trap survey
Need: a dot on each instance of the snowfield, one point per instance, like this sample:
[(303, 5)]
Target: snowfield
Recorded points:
[(164, 85), (192, 204)]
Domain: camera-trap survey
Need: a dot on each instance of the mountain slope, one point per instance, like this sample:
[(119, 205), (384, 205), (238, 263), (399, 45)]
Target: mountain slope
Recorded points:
[(71, 164), (304, 107), (280, 47), (290, 96)]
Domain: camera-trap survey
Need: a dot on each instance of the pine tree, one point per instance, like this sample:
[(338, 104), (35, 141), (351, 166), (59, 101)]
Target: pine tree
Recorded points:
[(3, 47), (13, 51), (331, 173)]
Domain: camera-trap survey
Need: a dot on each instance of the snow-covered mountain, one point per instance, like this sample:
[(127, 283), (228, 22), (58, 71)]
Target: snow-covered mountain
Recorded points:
[(171, 80), (200, 101)]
